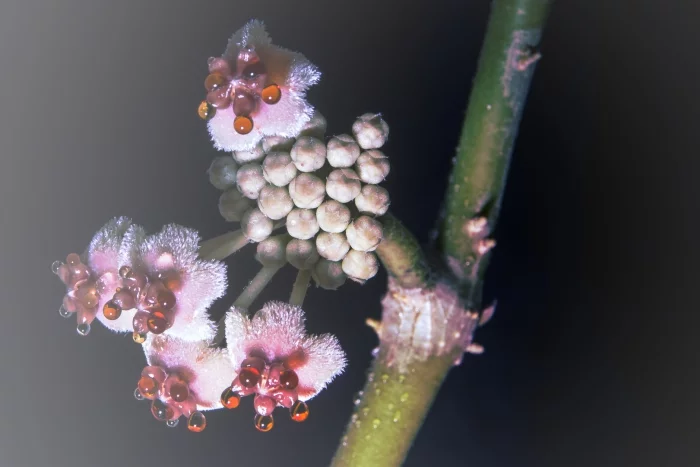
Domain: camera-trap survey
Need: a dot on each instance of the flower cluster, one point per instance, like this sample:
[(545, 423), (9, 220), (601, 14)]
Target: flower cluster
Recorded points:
[(281, 172)]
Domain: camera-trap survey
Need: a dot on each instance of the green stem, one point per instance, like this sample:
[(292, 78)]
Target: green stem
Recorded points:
[(223, 246), (394, 403), (248, 296), (392, 408), (496, 103), (301, 285), (401, 254)]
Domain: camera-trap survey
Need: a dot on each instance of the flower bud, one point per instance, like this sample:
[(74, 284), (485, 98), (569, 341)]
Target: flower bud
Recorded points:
[(342, 151), (307, 191), (232, 205), (371, 131), (279, 169), (256, 225), (360, 265), (254, 155), (222, 172), (275, 202), (343, 185), (372, 166), (302, 224), (272, 251), (250, 180), (329, 274), (332, 246), (315, 127), (308, 154), (364, 233), (277, 143), (333, 216), (373, 199), (301, 254)]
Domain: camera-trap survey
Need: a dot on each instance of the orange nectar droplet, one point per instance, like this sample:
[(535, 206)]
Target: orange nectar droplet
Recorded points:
[(243, 125), (271, 94), (205, 110), (157, 322), (139, 338), (299, 411), (111, 310), (197, 422), (214, 81), (148, 387), (264, 423), (230, 399)]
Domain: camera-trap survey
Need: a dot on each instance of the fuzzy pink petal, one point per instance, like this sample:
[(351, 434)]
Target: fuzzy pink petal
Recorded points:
[(277, 331), (225, 138), (103, 252), (208, 370), (177, 248)]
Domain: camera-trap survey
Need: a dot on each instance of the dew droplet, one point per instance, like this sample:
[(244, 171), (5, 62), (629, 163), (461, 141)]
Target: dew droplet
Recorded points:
[(375, 423), (365, 411), (55, 266), (172, 423), (83, 329), (402, 378), (385, 378), (137, 395), (397, 416), (368, 437), (63, 312), (378, 391), (404, 397)]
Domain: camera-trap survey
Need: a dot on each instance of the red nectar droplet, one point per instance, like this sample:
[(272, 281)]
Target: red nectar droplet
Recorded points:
[(249, 377), (158, 322), (179, 392), (289, 379)]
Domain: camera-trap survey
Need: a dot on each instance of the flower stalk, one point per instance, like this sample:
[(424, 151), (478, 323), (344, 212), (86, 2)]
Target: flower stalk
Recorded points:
[(397, 398)]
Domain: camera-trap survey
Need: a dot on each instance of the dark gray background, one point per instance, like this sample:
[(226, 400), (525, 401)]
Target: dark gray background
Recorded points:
[(589, 359)]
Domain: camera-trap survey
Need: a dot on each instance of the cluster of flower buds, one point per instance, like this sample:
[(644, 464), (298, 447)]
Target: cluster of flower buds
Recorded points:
[(143, 284), (277, 362), (326, 193)]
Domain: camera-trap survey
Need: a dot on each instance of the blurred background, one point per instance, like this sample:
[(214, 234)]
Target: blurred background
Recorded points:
[(590, 358)]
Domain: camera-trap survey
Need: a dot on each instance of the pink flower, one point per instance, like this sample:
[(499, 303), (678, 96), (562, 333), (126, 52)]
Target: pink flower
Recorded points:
[(167, 284), (182, 379), (91, 278), (277, 361), (256, 89)]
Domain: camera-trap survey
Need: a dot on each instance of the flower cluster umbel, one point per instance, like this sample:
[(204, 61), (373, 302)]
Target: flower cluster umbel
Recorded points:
[(282, 173)]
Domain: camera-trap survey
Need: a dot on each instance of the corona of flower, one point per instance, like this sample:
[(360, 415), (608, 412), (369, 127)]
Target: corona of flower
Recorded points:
[(167, 283), (91, 278), (183, 379), (256, 89), (278, 362)]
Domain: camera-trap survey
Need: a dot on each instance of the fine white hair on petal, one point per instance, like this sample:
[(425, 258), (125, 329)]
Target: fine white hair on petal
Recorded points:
[(207, 370), (176, 248), (131, 245), (104, 261), (103, 252), (277, 332)]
